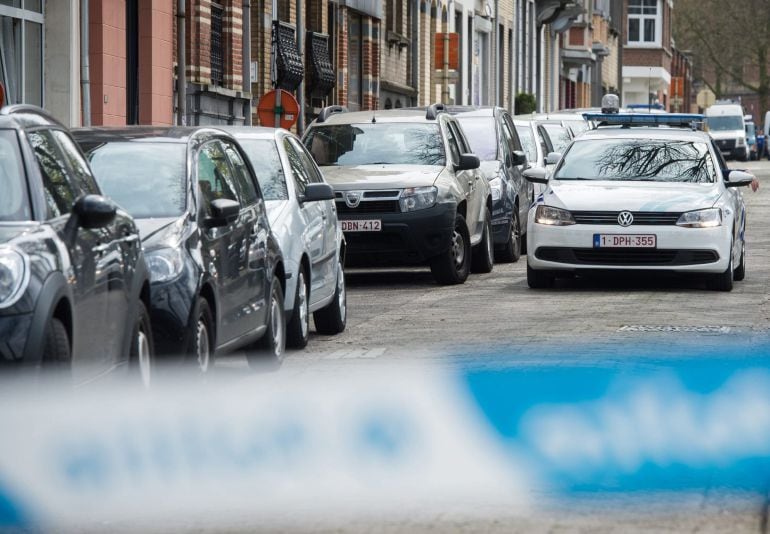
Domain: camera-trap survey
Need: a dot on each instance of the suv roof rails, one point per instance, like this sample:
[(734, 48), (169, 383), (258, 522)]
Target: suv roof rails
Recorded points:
[(328, 111), (434, 110)]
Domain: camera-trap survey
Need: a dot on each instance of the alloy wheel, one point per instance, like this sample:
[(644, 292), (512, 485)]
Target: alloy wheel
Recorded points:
[(144, 357), (302, 303), (203, 347)]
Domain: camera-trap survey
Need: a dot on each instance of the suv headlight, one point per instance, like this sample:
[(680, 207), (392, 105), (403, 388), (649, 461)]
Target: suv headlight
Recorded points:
[(164, 263), (553, 216), (418, 198), (707, 218), (14, 275)]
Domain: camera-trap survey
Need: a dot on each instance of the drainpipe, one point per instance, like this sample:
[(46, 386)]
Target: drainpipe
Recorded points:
[(301, 46), (415, 47), (497, 53), (181, 65), (85, 66), (247, 56)]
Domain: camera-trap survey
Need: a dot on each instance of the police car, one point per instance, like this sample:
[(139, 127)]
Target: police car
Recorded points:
[(646, 192)]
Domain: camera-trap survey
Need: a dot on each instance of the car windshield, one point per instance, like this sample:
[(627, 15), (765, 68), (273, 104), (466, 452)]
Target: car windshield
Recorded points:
[(558, 135), (723, 123), (147, 179), (653, 160), (527, 142), (482, 135), (577, 126), (377, 143), (14, 199), (264, 157)]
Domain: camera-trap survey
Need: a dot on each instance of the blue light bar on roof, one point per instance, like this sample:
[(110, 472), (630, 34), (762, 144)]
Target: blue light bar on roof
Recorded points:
[(687, 120)]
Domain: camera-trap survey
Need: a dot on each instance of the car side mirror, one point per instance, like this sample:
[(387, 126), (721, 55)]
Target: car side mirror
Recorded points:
[(316, 192), (737, 178), (536, 175), (519, 158), (94, 211), (468, 162), (552, 158), (223, 212)]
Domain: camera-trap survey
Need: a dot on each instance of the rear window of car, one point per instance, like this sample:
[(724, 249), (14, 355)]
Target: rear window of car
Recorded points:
[(482, 135), (263, 155), (14, 195), (147, 179), (643, 160), (376, 143)]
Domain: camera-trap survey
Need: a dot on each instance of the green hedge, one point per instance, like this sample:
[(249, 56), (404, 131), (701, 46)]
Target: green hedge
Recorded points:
[(525, 103)]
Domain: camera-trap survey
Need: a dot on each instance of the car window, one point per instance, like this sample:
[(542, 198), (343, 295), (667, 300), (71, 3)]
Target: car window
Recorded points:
[(214, 176), (14, 199), (298, 170), (311, 170), (720, 158), (482, 136), (462, 141), (81, 171), (60, 194), (243, 176), (264, 157), (558, 137), (528, 142), (643, 160), (511, 131), (376, 144), (454, 149), (147, 179)]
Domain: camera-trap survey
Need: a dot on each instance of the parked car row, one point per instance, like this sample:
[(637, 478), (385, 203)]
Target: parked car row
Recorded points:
[(157, 242)]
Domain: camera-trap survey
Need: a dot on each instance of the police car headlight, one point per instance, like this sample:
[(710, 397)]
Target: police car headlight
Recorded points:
[(417, 198), (14, 275), (707, 218), (164, 263), (553, 216)]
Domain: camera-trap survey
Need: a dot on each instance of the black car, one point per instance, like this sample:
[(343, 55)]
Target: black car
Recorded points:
[(494, 140), (74, 288), (217, 272)]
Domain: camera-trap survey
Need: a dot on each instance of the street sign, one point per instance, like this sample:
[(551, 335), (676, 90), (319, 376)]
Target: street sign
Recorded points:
[(454, 51), (271, 106)]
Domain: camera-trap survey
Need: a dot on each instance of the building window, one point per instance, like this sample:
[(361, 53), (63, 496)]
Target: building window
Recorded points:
[(217, 46), (644, 22), (21, 52), (355, 61)]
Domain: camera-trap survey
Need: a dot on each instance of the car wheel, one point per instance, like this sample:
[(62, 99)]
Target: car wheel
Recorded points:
[(483, 255), (539, 279), (273, 342), (57, 355), (723, 281), (332, 318), (298, 328), (453, 266), (740, 272), (200, 351), (142, 358), (511, 251)]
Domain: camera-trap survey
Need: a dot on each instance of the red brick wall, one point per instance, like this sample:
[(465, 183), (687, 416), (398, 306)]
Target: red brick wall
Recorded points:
[(156, 61), (646, 57), (198, 46), (107, 57)]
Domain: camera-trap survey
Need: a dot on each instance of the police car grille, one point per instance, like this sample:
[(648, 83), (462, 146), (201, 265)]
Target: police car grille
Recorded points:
[(648, 218), (370, 206), (626, 256)]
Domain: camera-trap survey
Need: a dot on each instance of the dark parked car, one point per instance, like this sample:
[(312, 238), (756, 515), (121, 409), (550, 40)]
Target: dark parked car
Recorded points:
[(494, 140), (217, 272), (74, 288)]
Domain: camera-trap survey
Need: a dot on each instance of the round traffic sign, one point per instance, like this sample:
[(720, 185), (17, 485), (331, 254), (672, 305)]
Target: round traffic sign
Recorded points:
[(281, 103)]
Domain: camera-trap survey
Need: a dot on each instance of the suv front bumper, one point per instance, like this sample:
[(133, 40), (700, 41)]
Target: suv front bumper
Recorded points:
[(405, 239)]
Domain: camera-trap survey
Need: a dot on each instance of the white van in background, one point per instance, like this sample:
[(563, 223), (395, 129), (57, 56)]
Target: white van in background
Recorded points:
[(726, 125)]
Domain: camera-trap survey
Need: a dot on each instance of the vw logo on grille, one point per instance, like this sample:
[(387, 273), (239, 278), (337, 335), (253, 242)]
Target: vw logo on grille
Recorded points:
[(352, 198), (625, 218)]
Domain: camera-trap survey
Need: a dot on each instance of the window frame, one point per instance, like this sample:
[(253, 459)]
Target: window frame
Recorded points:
[(642, 18)]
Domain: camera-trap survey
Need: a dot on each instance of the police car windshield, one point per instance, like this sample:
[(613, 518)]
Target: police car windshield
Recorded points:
[(720, 124), (376, 143), (14, 199), (653, 160)]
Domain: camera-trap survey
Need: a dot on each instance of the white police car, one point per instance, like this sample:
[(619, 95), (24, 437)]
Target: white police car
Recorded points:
[(630, 195)]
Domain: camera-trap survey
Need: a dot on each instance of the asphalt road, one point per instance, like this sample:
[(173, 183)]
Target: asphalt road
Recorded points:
[(495, 320)]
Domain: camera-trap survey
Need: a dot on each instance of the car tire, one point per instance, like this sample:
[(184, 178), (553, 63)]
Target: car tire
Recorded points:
[(740, 272), (483, 254), (57, 355), (200, 351), (453, 266), (331, 319), (539, 279), (511, 251), (271, 346), (298, 327), (723, 281), (142, 355)]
